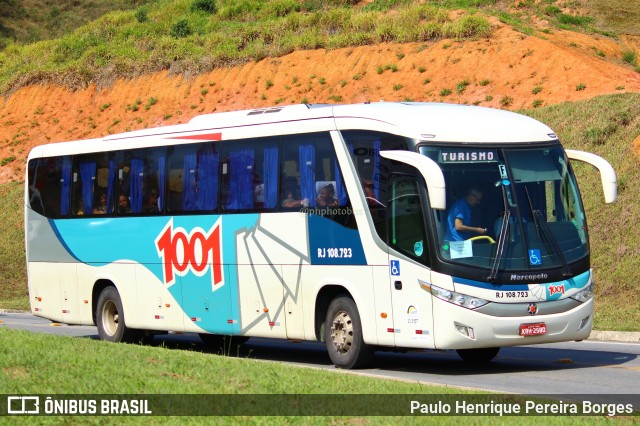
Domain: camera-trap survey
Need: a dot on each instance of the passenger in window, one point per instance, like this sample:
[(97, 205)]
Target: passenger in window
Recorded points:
[(151, 205), (369, 193), (101, 208), (327, 196), (292, 197), (123, 205), (258, 194)]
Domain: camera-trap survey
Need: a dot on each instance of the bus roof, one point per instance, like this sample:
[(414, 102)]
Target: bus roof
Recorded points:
[(434, 122)]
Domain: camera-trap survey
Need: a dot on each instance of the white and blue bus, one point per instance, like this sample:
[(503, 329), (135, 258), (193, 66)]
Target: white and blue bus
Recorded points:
[(335, 223)]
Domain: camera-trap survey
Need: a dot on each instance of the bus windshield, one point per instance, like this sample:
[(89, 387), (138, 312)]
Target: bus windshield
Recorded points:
[(509, 209)]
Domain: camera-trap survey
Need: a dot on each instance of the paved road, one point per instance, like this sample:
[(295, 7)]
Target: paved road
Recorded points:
[(608, 372)]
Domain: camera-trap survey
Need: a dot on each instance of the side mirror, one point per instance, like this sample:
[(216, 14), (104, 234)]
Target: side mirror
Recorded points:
[(607, 174), (429, 169)]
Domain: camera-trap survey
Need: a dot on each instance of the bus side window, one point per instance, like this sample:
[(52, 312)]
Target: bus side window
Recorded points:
[(237, 174), (85, 174), (49, 186)]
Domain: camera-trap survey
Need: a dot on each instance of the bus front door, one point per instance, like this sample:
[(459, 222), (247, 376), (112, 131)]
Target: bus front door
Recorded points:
[(408, 249)]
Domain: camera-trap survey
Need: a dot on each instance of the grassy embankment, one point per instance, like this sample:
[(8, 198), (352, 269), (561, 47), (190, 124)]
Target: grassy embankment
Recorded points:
[(604, 125), (195, 36), (176, 35)]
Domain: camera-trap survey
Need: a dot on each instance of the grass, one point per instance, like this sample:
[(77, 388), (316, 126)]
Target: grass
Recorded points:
[(28, 21), (192, 41), (13, 271), (31, 365)]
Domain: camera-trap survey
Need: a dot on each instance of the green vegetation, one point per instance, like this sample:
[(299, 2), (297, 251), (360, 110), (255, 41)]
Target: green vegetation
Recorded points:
[(606, 126), (506, 101), (13, 271), (28, 21), (179, 35), (462, 86)]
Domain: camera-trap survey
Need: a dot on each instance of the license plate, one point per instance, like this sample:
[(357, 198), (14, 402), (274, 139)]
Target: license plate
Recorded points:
[(536, 329)]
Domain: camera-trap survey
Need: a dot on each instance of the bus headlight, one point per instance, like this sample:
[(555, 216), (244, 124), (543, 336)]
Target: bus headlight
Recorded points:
[(584, 295), (459, 299)]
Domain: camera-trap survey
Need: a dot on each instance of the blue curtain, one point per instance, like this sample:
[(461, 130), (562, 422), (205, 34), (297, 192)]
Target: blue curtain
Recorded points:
[(241, 188), (161, 180), (137, 173), (341, 192), (87, 176), (65, 191), (307, 158), (270, 176), (207, 179), (111, 184), (376, 169), (189, 182)]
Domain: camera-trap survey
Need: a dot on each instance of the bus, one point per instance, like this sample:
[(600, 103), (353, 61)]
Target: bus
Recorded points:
[(329, 223)]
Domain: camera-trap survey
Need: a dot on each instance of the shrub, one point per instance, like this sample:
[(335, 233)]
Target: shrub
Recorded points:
[(141, 15), (7, 160), (506, 101), (181, 29), (208, 6), (582, 21), (630, 56), (460, 88)]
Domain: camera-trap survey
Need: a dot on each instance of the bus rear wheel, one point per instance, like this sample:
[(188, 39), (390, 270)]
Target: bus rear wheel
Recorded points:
[(343, 335), (478, 355), (110, 318)]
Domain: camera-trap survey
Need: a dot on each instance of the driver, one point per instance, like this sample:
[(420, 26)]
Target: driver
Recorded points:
[(460, 215)]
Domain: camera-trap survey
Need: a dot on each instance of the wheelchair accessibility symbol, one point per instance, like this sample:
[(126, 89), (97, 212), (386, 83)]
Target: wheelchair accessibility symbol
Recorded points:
[(534, 257), (395, 267)]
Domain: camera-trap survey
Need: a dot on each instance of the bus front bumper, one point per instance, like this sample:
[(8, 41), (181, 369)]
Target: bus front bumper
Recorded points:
[(460, 328)]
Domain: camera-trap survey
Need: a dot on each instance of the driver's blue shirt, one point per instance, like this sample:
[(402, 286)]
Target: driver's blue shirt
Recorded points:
[(459, 210)]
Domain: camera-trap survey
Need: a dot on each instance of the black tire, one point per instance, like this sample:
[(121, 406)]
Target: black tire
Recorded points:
[(110, 319), (478, 355), (343, 335)]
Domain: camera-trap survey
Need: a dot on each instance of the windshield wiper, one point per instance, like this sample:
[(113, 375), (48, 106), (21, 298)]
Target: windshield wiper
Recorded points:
[(544, 233), (502, 237)]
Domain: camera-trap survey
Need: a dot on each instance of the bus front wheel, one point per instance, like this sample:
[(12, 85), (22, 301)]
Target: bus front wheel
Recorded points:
[(478, 355), (343, 335), (110, 318)]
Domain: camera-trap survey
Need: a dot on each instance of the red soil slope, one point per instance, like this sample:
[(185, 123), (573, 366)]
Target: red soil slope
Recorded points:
[(509, 70)]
